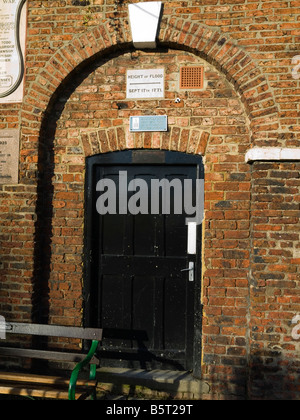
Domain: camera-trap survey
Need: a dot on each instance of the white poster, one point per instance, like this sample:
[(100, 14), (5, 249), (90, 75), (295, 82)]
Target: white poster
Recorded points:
[(13, 15)]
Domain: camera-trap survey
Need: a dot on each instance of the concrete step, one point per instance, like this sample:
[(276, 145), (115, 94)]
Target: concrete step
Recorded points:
[(157, 383)]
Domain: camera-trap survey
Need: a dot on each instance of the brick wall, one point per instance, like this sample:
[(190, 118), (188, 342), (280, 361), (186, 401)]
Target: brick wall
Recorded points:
[(275, 280), (75, 106)]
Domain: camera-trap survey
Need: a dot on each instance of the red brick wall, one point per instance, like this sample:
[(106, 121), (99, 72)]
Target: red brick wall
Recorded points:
[(274, 283), (75, 106)]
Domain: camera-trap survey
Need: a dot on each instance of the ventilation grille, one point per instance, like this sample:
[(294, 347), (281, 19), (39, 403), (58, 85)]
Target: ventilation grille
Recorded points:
[(191, 77)]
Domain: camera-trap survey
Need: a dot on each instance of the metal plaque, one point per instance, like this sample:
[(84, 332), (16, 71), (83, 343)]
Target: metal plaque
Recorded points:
[(12, 46), (9, 156), (149, 123), (145, 84)]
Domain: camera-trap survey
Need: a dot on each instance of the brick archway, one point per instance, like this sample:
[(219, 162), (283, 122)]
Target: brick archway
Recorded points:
[(113, 139), (79, 56), (238, 66), (60, 199)]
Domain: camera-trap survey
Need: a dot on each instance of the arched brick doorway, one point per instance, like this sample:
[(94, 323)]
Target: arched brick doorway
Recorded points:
[(89, 115)]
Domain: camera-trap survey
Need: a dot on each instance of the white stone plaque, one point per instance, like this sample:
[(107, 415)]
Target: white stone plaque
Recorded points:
[(13, 15), (9, 156), (144, 19), (145, 84)]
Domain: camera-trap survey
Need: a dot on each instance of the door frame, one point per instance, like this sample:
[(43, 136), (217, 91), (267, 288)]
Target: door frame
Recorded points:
[(140, 157)]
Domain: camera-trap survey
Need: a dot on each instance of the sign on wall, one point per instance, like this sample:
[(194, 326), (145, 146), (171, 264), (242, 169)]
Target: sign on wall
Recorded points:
[(144, 84), (9, 156), (12, 46), (149, 123)]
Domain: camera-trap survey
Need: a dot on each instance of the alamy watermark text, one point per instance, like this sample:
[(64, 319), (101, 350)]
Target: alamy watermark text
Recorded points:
[(151, 198)]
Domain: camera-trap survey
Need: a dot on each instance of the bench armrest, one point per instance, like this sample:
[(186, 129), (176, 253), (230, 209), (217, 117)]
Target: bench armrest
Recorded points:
[(79, 366)]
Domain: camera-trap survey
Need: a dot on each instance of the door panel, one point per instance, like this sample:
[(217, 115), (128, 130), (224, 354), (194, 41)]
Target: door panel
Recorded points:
[(135, 287)]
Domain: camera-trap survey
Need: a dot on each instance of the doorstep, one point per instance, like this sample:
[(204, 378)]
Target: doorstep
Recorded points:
[(168, 383)]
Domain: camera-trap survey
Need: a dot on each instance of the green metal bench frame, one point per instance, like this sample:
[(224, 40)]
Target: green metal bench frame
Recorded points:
[(79, 367), (82, 360)]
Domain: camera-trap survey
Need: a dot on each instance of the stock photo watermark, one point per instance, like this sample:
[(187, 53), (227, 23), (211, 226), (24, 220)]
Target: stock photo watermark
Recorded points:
[(296, 329), (296, 69), (151, 198), (2, 328)]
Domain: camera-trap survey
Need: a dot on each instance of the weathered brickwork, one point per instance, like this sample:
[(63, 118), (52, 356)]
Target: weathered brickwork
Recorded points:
[(275, 279), (75, 106)]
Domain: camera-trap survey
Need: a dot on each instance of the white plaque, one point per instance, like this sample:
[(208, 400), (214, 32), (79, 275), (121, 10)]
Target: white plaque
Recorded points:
[(9, 156), (144, 19), (12, 47), (145, 84)]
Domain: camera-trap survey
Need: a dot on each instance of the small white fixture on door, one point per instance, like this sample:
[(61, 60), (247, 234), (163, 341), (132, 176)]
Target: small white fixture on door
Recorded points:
[(192, 238)]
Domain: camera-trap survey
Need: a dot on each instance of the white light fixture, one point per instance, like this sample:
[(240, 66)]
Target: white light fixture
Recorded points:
[(192, 238)]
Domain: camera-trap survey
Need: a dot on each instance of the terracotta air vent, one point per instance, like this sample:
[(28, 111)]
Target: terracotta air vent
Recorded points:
[(191, 77)]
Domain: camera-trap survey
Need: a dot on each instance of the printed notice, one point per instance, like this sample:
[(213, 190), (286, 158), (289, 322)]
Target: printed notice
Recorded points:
[(12, 46), (145, 84), (149, 123), (9, 156)]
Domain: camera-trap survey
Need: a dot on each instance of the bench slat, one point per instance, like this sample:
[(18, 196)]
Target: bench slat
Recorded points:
[(35, 392), (54, 331), (45, 355), (43, 379)]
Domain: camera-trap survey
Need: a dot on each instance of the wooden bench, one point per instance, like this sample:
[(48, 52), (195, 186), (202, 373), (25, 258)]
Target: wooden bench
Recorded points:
[(57, 387)]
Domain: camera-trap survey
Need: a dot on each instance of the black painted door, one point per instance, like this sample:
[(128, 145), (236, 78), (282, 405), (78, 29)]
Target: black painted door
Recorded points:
[(137, 291)]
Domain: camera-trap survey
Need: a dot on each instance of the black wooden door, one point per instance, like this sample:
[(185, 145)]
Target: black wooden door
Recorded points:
[(136, 289)]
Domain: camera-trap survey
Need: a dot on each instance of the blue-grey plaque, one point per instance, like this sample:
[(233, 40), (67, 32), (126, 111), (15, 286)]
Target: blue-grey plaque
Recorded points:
[(149, 123)]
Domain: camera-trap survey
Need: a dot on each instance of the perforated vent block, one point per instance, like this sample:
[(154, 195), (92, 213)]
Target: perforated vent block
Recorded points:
[(191, 77)]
